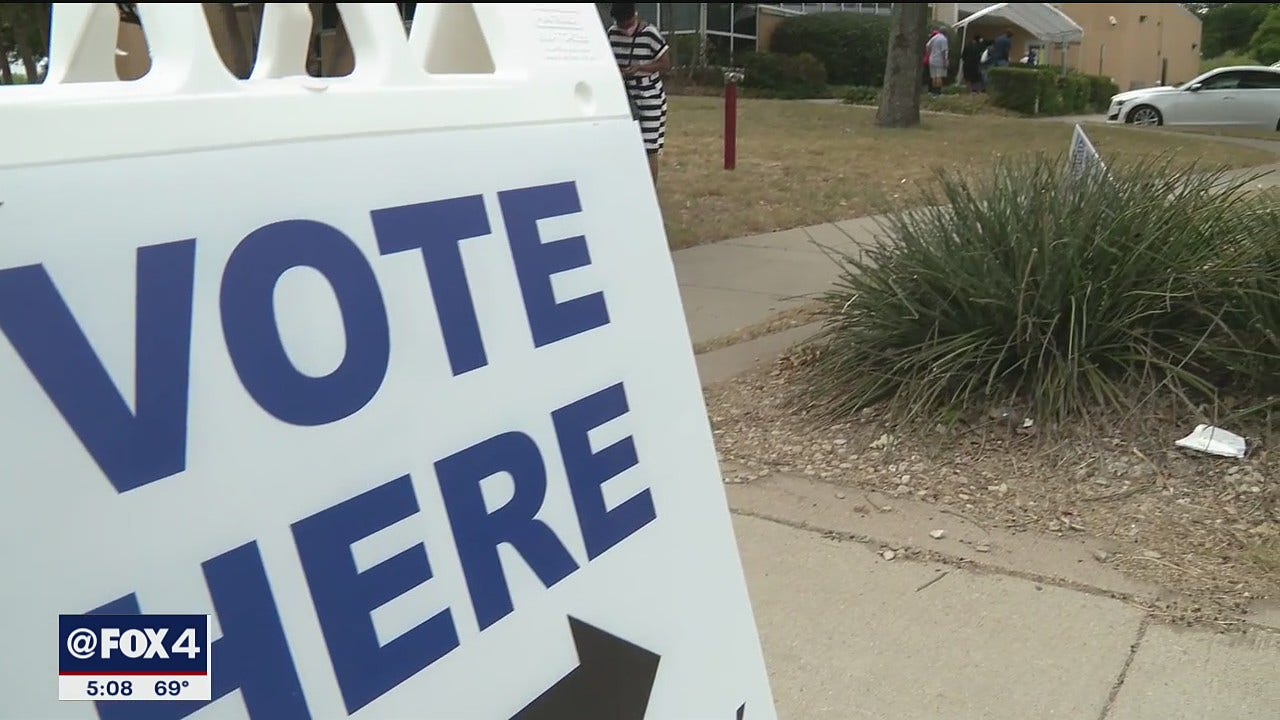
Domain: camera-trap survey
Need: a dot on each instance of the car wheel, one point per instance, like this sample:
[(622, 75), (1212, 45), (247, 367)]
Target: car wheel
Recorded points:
[(1145, 115)]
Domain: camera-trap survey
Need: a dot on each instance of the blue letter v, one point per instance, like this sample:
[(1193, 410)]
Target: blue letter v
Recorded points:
[(131, 449)]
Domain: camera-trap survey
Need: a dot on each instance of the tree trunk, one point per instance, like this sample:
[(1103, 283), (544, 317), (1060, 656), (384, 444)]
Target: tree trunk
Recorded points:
[(900, 99), (6, 75), (238, 59), (45, 18), (29, 64)]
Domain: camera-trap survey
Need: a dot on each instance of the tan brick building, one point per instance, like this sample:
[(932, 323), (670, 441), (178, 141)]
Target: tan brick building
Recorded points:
[(1135, 44)]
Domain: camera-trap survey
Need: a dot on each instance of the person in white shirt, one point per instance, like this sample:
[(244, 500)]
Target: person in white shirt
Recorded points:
[(937, 52)]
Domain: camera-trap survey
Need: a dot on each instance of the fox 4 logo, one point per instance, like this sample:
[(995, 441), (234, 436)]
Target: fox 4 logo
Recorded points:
[(147, 643)]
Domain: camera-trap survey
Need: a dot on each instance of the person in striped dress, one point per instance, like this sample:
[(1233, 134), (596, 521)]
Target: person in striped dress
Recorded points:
[(642, 54)]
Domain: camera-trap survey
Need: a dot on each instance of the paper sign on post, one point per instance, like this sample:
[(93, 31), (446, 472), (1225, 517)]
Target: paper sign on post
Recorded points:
[(387, 374)]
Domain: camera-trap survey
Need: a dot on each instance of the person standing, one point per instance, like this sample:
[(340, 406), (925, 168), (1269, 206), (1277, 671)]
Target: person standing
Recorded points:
[(937, 51), (985, 63), (642, 54), (971, 63), (1002, 48)]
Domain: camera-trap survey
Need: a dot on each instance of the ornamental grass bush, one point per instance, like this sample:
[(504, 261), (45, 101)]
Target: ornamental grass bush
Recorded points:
[(1062, 296)]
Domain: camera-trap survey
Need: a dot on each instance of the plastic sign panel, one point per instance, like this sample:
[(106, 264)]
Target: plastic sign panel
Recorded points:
[(1083, 159), (404, 401)]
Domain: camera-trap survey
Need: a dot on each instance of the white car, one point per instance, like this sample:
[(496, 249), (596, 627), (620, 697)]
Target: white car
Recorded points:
[(1239, 96)]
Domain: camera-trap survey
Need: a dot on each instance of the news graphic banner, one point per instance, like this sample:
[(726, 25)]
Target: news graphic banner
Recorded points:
[(392, 386), (133, 657)]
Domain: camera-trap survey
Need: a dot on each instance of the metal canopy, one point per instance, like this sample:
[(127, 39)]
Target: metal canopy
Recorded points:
[(1043, 20)]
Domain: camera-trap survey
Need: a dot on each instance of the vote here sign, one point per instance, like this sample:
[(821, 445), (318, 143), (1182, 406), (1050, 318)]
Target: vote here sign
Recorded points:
[(413, 417)]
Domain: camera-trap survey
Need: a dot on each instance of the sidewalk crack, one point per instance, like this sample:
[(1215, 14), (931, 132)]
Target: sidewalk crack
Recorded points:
[(1124, 671)]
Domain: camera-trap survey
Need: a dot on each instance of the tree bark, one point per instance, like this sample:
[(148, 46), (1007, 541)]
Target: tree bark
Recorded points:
[(239, 61), (44, 19), (900, 99), (29, 64)]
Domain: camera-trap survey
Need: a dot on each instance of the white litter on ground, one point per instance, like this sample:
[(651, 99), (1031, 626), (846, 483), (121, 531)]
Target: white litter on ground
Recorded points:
[(1214, 441)]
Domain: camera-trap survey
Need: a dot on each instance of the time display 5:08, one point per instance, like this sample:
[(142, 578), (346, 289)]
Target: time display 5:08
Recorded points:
[(109, 688)]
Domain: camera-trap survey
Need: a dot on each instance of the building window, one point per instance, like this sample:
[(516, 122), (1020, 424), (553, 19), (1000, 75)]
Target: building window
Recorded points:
[(744, 19), (730, 27), (720, 17), (649, 11), (719, 48)]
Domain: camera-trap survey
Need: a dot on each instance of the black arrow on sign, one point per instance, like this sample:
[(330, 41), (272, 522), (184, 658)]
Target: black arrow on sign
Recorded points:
[(613, 680)]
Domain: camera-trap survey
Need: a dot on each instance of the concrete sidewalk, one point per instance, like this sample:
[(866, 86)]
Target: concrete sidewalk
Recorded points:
[(993, 626), (848, 634), (731, 285)]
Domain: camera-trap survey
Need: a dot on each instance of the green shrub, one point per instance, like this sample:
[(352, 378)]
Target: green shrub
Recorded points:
[(1265, 44), (1226, 60), (1229, 27), (851, 46), (685, 50), (1063, 296), (706, 75), (1046, 91), (1100, 91), (862, 95), (1021, 90), (1075, 92), (787, 76)]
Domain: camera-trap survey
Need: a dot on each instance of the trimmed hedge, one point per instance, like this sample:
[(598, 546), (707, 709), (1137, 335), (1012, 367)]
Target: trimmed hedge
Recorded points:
[(851, 46), (1100, 91), (786, 76), (862, 95), (1046, 91)]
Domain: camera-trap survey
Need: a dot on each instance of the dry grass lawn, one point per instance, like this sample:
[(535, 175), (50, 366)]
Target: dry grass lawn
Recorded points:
[(802, 163), (1259, 134)]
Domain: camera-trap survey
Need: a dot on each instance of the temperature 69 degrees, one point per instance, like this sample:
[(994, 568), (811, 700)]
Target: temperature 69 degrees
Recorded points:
[(134, 657)]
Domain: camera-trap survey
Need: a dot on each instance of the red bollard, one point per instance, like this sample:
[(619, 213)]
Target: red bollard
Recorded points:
[(730, 123)]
